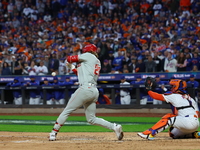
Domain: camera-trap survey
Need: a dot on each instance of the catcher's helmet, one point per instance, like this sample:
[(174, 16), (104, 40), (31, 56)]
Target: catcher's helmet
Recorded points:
[(178, 86), (89, 48)]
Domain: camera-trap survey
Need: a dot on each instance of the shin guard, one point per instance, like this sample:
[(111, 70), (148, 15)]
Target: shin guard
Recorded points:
[(164, 123)]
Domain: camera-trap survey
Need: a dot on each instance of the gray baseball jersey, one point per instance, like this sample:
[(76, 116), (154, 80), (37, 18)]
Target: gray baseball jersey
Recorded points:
[(88, 70)]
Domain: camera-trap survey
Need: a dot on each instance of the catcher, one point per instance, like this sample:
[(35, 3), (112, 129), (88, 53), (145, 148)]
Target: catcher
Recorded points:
[(183, 122)]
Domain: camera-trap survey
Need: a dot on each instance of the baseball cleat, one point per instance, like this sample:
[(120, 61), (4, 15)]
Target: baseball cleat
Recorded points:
[(118, 131), (148, 136), (52, 136)]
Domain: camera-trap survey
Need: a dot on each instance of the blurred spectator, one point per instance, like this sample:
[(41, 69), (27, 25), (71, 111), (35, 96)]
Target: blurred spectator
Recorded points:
[(150, 65), (5, 69), (62, 70), (53, 64), (170, 64), (132, 65), (42, 69), (118, 61), (33, 93), (49, 100), (195, 61), (40, 7), (181, 62), (157, 60), (17, 92), (26, 68), (106, 67), (18, 67), (140, 65), (47, 17), (33, 68), (125, 92), (103, 99), (110, 58), (194, 69)]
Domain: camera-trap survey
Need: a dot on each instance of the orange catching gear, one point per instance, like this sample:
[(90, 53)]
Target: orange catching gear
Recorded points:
[(165, 122), (178, 86)]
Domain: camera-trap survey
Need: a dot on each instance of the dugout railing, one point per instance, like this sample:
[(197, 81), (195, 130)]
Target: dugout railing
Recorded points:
[(110, 88)]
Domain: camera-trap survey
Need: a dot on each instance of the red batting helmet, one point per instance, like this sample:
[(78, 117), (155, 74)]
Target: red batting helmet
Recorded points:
[(89, 48)]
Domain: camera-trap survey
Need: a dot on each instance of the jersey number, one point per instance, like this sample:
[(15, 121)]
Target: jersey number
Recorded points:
[(97, 69)]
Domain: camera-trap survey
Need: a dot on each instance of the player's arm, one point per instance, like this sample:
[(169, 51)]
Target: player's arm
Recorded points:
[(72, 67), (156, 96), (75, 58)]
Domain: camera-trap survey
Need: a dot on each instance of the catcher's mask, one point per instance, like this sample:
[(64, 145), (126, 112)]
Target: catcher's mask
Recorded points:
[(89, 48), (178, 86)]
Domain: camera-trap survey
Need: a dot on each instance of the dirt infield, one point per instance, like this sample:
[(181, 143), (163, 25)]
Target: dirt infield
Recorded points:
[(91, 141)]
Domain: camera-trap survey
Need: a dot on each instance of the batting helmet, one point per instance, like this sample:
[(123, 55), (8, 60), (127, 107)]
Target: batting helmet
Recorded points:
[(178, 86), (89, 48)]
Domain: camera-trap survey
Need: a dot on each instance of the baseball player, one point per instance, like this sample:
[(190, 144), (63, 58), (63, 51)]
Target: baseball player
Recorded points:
[(16, 93), (87, 94), (67, 82), (158, 89), (103, 99), (143, 95), (125, 97), (48, 93), (57, 93), (183, 122), (195, 85), (34, 93)]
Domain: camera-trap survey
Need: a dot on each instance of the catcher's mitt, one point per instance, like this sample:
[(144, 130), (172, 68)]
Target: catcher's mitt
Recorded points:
[(150, 83)]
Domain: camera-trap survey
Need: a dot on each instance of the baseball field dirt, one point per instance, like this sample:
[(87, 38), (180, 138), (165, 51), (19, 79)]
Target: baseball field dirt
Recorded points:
[(91, 141)]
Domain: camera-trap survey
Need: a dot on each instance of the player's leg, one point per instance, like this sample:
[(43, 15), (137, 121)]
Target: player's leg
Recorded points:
[(127, 100), (122, 100), (57, 102), (155, 102), (143, 101), (90, 113), (74, 103), (49, 102), (31, 101), (160, 102), (186, 125), (90, 109), (62, 101), (164, 123), (18, 101), (37, 100)]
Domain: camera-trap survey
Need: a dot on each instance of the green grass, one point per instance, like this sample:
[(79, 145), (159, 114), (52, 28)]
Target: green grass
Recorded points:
[(82, 118), (130, 124)]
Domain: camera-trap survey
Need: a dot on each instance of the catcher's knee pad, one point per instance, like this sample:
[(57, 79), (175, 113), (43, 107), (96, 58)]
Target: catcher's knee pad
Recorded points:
[(170, 133)]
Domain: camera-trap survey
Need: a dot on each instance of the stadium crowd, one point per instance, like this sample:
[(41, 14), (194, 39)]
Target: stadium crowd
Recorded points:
[(131, 35)]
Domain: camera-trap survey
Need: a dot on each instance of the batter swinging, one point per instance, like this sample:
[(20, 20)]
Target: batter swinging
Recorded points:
[(87, 94)]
